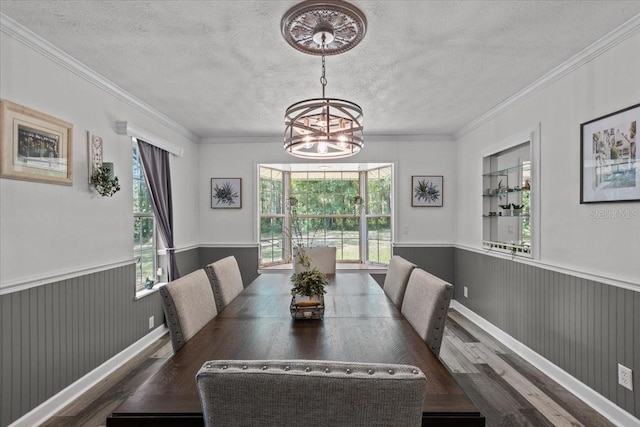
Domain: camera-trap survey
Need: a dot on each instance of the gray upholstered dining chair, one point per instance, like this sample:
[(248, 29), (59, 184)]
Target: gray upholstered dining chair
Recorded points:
[(188, 305), (425, 306), (395, 282), (322, 257), (226, 280), (281, 393)]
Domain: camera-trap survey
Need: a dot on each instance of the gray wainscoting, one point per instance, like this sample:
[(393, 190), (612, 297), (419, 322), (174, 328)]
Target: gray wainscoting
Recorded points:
[(247, 258), (188, 261), (437, 260), (583, 326), (52, 335)]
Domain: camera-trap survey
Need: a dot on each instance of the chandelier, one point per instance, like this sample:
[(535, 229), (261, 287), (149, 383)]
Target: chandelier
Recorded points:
[(323, 128)]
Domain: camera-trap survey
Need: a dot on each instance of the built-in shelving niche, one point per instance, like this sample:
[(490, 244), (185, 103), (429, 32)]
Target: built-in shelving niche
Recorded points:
[(509, 211)]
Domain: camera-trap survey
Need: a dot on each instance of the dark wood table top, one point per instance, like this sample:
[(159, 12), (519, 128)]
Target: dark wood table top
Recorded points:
[(360, 324)]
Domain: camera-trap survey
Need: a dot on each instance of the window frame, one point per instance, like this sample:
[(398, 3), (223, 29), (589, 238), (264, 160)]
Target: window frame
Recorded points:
[(140, 289), (362, 215)]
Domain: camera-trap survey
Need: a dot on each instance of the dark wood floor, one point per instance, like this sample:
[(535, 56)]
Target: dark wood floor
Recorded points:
[(507, 390)]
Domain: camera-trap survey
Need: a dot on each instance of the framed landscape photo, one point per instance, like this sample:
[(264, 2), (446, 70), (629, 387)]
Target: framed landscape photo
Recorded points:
[(609, 158), (226, 193), (34, 146), (426, 190)]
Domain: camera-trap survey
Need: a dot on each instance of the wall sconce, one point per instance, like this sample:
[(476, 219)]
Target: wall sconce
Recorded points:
[(101, 175)]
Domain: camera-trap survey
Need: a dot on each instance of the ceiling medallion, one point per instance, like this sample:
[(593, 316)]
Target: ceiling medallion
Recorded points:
[(323, 128), (302, 22)]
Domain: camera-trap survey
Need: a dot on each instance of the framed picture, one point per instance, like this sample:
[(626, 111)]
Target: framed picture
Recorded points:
[(34, 146), (226, 193), (426, 190), (609, 158)]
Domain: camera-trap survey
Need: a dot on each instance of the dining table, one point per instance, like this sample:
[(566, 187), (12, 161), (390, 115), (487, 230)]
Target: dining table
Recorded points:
[(360, 324)]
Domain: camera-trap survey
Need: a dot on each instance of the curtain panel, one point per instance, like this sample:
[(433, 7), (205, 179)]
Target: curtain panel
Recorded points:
[(157, 173)]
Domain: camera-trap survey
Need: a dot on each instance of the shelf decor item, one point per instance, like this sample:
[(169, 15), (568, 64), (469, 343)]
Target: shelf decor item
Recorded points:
[(35, 146), (506, 209), (427, 190), (609, 165), (226, 193)]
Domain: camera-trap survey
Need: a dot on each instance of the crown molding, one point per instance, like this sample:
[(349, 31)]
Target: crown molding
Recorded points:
[(42, 46), (597, 48), (48, 50)]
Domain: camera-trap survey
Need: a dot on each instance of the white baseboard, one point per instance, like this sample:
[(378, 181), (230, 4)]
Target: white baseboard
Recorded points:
[(47, 409), (607, 408)]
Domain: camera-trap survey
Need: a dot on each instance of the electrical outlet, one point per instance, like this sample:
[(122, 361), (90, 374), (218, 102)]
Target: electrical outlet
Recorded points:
[(151, 322), (466, 292), (625, 377)]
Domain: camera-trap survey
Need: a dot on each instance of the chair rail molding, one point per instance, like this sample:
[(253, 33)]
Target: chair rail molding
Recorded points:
[(619, 282), (32, 282)]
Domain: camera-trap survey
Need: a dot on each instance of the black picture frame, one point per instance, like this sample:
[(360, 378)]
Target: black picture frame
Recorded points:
[(609, 164)]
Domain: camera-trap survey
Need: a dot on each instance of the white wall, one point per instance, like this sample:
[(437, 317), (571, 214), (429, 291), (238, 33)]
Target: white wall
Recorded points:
[(47, 230), (415, 157), (571, 236)]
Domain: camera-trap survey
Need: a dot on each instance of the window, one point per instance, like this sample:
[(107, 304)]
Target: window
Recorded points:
[(326, 211), (144, 225), (271, 216), (379, 215)]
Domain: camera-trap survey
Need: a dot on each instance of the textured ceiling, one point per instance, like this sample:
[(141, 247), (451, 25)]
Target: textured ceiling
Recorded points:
[(222, 68)]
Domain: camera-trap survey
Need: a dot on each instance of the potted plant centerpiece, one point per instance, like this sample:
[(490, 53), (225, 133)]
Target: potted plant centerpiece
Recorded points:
[(308, 291), (307, 301), (307, 294)]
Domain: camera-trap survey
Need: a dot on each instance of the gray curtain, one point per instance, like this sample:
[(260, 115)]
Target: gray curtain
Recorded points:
[(156, 171)]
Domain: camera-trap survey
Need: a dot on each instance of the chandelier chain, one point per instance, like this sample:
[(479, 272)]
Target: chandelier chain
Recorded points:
[(323, 79)]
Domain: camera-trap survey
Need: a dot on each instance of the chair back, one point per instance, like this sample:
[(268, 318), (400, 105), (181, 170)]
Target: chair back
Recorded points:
[(188, 305), (322, 257), (425, 306), (226, 280), (276, 393), (395, 282)]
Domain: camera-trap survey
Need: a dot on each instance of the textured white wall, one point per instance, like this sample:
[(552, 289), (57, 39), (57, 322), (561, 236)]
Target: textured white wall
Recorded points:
[(239, 160), (571, 235), (46, 229)]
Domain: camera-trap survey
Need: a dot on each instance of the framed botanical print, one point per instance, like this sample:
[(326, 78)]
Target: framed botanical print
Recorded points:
[(34, 146), (226, 193), (426, 190)]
